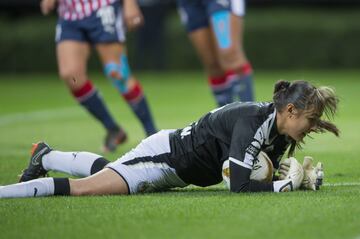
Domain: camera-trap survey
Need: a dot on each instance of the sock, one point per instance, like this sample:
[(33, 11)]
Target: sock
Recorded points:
[(61, 186), (221, 89), (137, 101), (34, 188), (242, 82), (80, 164), (89, 97)]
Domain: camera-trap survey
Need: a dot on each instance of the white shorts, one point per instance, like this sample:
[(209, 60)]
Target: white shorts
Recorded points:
[(143, 173)]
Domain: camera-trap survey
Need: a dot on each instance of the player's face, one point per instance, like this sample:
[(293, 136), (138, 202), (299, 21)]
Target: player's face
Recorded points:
[(299, 124)]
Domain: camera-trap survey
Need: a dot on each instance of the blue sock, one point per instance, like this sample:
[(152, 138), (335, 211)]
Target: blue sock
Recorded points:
[(89, 97), (95, 105), (221, 89), (243, 88), (141, 110), (223, 96), (138, 103)]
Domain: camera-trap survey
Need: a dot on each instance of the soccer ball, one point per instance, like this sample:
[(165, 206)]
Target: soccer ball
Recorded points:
[(262, 171)]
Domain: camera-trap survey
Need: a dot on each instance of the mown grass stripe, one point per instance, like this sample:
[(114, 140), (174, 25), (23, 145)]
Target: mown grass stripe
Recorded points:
[(42, 115)]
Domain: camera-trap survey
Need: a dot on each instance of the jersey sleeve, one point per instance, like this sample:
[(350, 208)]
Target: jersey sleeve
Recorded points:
[(245, 145), (280, 146)]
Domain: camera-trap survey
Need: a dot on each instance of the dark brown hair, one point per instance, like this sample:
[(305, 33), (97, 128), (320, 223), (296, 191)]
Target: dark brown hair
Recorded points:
[(311, 99)]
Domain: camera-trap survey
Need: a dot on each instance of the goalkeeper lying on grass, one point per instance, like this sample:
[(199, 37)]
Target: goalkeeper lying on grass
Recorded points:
[(236, 132)]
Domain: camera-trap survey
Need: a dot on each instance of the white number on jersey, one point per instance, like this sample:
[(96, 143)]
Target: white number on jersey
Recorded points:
[(187, 130), (107, 16)]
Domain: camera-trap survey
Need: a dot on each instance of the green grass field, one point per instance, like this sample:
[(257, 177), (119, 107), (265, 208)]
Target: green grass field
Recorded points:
[(38, 107)]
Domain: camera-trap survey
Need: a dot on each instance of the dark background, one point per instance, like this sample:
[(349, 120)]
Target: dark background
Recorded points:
[(21, 6), (279, 34)]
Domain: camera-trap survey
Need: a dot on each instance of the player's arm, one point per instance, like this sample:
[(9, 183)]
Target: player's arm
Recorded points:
[(47, 6), (245, 146), (240, 179), (132, 14)]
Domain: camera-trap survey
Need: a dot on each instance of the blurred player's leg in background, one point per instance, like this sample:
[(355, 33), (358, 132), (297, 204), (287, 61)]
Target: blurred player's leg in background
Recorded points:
[(204, 43), (72, 59), (195, 19), (117, 69), (227, 25), (102, 27), (228, 31), (215, 29)]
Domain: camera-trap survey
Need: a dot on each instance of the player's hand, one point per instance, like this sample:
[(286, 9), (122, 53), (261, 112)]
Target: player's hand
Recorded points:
[(295, 173), (132, 15), (313, 176), (284, 168), (47, 6), (282, 186), (293, 179)]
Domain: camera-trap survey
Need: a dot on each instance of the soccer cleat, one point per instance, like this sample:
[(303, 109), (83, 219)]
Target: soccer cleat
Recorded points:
[(113, 139), (35, 168)]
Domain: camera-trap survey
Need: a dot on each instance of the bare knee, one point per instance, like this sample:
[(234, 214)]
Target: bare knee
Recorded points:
[(73, 78), (69, 73)]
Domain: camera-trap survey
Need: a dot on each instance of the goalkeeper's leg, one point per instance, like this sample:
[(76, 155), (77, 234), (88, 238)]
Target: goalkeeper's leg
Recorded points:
[(105, 182), (79, 164), (44, 159)]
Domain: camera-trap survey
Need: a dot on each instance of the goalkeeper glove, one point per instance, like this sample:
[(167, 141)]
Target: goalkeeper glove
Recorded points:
[(293, 179), (284, 168), (313, 176)]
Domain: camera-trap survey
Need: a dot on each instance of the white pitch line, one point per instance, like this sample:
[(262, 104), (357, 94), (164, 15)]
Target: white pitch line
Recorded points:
[(43, 115), (341, 184)]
